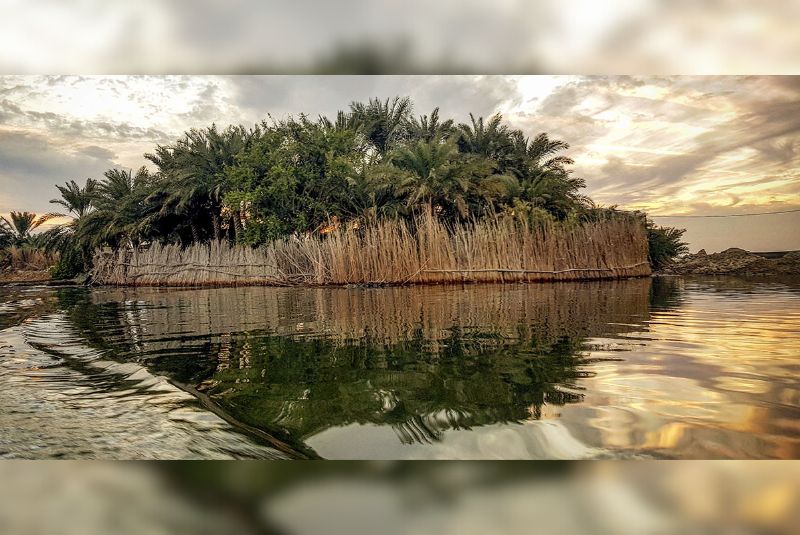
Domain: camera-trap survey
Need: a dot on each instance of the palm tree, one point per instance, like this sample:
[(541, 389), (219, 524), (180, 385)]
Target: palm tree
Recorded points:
[(373, 192), (430, 129), (546, 181), (555, 192), (118, 184), (18, 228), (491, 139), (432, 175), (382, 123), (542, 150), (77, 200), (193, 171), (120, 213), (344, 121)]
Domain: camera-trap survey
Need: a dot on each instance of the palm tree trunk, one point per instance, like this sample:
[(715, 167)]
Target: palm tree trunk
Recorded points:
[(195, 233), (215, 224), (237, 225)]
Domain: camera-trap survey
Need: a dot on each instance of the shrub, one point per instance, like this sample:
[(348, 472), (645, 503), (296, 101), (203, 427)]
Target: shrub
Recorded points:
[(69, 265), (664, 244)]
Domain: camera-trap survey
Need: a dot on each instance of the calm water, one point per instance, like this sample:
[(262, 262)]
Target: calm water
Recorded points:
[(669, 368)]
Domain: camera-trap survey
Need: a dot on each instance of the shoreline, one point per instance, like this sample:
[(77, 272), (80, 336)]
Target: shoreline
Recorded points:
[(75, 283), (736, 262)]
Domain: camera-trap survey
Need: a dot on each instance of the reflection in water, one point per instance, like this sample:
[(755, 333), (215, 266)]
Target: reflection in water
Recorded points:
[(351, 498), (665, 368), (418, 360), (59, 397)]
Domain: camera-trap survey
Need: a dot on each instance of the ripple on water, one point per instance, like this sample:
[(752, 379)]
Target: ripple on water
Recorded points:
[(677, 368), (61, 399)]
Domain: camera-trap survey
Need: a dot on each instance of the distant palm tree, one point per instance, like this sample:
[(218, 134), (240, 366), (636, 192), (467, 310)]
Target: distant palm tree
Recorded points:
[(491, 139), (77, 200), (382, 123), (430, 129), (18, 229), (434, 174)]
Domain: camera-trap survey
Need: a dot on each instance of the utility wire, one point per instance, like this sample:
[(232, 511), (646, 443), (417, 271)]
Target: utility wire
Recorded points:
[(727, 215)]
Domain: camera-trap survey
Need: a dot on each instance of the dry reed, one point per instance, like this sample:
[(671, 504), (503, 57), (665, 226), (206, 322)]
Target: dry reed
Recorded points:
[(395, 252), (26, 258)]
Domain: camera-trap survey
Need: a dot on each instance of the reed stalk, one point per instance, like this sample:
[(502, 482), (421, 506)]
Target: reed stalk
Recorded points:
[(424, 251)]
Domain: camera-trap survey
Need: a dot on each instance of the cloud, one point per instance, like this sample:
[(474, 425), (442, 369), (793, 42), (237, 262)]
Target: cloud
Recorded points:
[(98, 153), (662, 141), (30, 165), (325, 95), (63, 125)]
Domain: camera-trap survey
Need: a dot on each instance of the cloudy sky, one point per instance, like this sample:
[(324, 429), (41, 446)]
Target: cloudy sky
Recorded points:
[(689, 146)]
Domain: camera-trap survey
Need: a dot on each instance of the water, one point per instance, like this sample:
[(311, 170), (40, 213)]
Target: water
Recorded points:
[(669, 368)]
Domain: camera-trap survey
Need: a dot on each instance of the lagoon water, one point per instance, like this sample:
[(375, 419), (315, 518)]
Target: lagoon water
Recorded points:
[(641, 368)]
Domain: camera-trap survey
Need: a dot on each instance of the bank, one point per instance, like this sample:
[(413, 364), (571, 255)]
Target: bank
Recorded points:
[(736, 261)]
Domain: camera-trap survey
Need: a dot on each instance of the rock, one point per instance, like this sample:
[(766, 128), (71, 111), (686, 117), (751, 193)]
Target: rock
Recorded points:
[(734, 252), (734, 261)]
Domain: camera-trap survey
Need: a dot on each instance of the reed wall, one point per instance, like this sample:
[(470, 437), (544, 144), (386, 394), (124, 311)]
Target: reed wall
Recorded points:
[(390, 252)]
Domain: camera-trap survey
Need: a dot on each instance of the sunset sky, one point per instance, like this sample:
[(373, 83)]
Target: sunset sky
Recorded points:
[(685, 145)]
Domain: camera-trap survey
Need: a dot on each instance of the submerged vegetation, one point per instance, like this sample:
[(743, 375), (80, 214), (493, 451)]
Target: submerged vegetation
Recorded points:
[(301, 177)]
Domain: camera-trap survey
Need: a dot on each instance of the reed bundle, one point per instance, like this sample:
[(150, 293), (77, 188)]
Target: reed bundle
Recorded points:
[(396, 252)]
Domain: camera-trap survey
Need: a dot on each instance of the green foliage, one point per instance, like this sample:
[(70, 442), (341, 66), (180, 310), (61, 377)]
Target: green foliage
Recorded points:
[(299, 175), (77, 200), (18, 228), (70, 264), (664, 244), (186, 203), (295, 176), (377, 160), (20, 246)]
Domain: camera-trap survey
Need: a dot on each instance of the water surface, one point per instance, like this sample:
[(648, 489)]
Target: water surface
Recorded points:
[(668, 368)]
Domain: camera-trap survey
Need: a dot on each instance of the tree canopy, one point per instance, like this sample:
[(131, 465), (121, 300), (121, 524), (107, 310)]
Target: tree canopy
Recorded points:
[(298, 175)]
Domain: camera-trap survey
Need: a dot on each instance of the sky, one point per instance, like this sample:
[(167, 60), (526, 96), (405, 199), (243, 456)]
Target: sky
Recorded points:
[(670, 145)]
